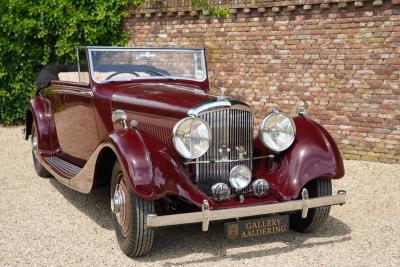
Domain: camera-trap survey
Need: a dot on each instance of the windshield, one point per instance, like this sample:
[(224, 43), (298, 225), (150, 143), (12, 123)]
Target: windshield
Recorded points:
[(124, 64)]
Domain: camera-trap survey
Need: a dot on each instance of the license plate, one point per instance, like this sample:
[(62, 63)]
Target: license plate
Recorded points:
[(257, 227)]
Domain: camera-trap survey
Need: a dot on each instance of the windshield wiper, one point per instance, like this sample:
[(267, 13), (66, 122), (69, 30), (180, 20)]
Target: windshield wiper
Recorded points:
[(161, 74)]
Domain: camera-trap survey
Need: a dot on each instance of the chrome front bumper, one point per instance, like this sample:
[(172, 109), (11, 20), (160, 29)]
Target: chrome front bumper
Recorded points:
[(207, 215)]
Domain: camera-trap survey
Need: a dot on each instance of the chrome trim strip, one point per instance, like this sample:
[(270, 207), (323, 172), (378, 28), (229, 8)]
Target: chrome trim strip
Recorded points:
[(197, 110), (153, 220), (72, 91), (241, 107), (226, 161), (218, 103)]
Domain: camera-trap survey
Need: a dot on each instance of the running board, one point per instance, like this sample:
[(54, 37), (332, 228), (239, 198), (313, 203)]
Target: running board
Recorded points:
[(75, 177), (66, 169)]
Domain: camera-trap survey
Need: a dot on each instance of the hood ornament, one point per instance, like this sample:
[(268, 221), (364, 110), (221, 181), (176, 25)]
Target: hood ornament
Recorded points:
[(221, 93)]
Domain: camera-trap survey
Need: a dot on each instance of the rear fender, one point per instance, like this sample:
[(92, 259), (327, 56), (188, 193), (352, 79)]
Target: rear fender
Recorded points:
[(39, 111), (314, 154)]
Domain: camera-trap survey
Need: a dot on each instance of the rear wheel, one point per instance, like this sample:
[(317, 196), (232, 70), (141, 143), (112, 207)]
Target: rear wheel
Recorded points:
[(40, 170), (316, 217), (129, 215)]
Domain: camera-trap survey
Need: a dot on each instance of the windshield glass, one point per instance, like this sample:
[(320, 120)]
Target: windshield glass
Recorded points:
[(123, 64)]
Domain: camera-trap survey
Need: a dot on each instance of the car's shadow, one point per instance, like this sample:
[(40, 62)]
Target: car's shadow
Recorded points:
[(177, 242), (174, 243), (95, 205)]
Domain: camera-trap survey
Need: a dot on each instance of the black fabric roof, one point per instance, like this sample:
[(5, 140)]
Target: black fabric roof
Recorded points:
[(50, 73)]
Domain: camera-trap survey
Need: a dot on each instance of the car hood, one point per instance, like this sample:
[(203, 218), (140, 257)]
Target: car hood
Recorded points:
[(159, 98)]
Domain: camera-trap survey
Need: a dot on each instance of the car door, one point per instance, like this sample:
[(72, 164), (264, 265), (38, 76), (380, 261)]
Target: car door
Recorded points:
[(74, 117)]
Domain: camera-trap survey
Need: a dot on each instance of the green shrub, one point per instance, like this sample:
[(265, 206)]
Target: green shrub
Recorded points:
[(35, 33)]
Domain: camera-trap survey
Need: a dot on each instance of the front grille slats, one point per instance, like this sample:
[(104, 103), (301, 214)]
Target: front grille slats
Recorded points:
[(231, 128)]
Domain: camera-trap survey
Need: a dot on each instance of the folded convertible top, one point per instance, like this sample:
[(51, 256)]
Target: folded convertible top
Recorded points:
[(50, 73)]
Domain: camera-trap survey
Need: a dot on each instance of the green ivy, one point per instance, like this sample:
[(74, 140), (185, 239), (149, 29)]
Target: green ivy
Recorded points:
[(214, 11), (35, 33)]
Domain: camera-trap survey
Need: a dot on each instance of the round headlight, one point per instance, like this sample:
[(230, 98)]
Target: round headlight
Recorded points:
[(240, 177), (192, 137), (277, 131)]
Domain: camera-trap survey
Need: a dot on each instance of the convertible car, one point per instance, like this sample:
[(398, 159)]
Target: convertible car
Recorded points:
[(143, 121)]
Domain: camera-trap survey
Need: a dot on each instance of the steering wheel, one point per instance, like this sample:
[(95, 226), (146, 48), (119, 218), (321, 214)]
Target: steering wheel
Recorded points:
[(121, 72)]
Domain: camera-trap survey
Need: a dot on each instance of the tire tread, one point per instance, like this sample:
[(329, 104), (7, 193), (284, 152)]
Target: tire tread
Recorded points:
[(140, 238), (317, 216)]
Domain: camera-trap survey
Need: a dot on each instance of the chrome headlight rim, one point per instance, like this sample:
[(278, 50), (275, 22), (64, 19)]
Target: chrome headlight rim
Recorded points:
[(176, 127), (261, 130)]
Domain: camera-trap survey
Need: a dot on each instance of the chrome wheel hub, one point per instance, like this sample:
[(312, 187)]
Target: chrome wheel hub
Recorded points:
[(118, 207), (117, 201)]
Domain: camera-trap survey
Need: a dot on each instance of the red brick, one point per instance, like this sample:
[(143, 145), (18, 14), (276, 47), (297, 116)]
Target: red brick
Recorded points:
[(344, 63)]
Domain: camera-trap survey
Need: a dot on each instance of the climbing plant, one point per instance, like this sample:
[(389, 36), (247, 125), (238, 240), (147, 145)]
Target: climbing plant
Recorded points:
[(35, 33)]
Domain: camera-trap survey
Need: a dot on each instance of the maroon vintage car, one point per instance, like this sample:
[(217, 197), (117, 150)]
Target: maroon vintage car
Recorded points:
[(142, 120)]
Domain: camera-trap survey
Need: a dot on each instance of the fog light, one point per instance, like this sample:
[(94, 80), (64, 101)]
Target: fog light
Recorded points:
[(240, 177), (220, 191), (260, 187)]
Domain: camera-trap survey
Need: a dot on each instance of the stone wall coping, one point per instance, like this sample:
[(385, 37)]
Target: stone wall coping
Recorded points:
[(183, 7)]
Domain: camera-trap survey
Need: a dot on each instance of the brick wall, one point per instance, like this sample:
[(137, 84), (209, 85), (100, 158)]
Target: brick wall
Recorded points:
[(341, 57)]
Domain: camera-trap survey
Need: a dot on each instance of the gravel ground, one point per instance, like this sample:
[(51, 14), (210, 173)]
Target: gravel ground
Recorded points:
[(44, 223)]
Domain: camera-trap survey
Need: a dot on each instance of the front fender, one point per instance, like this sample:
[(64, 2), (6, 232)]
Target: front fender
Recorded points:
[(314, 154), (150, 169), (135, 161)]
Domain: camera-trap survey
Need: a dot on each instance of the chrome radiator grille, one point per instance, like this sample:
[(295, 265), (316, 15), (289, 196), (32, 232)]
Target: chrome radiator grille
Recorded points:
[(232, 143)]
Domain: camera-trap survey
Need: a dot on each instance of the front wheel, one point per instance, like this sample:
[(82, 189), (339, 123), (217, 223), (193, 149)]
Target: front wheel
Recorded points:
[(129, 215), (316, 217)]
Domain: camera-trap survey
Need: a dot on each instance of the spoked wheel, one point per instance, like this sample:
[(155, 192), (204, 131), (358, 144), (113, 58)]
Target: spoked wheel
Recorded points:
[(129, 216), (40, 170), (316, 217)]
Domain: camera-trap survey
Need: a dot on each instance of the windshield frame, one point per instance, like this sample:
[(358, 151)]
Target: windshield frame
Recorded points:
[(91, 49)]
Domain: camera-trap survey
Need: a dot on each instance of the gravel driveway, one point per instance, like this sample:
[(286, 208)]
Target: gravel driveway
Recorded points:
[(44, 223)]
